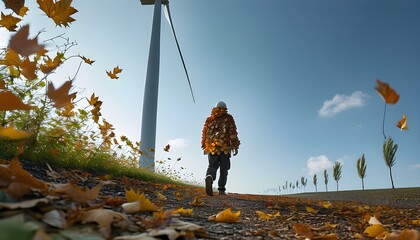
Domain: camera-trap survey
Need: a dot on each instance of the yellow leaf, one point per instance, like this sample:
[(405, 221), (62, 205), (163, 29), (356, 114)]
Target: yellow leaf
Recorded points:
[(183, 212), (59, 11), (50, 64), (416, 222), (146, 205), (326, 204), (9, 22), (160, 196), (11, 59), (113, 74), (388, 94), (131, 195), (226, 216), (374, 230), (12, 133), (22, 44), (267, 216), (311, 210), (197, 202), (402, 124)]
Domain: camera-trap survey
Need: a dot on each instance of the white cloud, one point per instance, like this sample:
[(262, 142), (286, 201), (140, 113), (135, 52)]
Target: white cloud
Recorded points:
[(416, 165), (317, 164), (178, 143), (342, 102)]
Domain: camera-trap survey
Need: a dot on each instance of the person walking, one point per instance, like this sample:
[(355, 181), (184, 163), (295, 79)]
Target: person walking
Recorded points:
[(219, 139)]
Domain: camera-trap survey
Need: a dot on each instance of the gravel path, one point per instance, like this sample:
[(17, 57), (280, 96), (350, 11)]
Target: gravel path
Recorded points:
[(398, 198)]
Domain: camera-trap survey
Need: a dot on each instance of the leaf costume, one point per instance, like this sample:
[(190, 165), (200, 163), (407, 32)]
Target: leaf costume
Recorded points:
[(219, 133)]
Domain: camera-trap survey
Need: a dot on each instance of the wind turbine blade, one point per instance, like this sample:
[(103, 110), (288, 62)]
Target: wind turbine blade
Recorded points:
[(169, 18)]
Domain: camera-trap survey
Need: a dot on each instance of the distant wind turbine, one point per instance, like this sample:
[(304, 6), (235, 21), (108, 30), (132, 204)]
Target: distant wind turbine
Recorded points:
[(150, 100)]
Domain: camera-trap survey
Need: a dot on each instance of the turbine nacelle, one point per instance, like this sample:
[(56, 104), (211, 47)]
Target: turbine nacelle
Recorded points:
[(151, 2)]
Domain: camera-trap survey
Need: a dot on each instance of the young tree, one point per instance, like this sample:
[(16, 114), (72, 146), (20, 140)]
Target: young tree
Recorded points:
[(337, 172), (361, 169), (326, 180), (297, 185), (389, 150), (315, 181), (303, 182)]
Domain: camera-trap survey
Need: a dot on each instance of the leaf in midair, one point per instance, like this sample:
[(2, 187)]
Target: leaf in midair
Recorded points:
[(60, 96), (28, 69), (59, 11), (11, 59), (8, 102), (87, 60), (388, 94), (15, 5), (22, 44), (50, 64), (12, 133), (166, 148), (226, 216), (9, 22), (402, 124), (113, 74)]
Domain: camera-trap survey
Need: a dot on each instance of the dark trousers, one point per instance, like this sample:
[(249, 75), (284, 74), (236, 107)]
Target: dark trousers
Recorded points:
[(216, 161)]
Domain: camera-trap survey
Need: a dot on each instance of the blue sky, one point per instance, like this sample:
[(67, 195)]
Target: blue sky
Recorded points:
[(298, 77)]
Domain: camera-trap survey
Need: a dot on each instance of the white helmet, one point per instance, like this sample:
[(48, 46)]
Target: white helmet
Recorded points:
[(221, 104)]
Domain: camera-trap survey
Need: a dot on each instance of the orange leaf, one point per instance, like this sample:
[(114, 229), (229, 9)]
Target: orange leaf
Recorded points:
[(402, 124), (20, 175), (15, 5), (8, 101), (58, 11), (28, 69), (11, 59), (374, 230), (22, 45), (9, 22), (12, 133), (50, 64), (226, 216), (388, 94), (311, 210), (87, 60), (113, 74), (183, 212), (131, 195), (60, 96)]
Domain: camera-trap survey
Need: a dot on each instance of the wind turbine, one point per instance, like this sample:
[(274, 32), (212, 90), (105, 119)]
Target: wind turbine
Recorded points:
[(150, 100)]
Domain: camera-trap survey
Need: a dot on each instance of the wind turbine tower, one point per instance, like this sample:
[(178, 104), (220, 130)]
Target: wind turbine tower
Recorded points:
[(150, 100)]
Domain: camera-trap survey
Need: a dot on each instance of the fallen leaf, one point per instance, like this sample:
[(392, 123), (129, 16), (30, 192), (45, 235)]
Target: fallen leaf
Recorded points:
[(182, 211), (388, 94), (311, 210), (267, 216), (303, 230), (8, 102), (20, 43), (197, 202), (160, 196), (24, 204), (104, 218), (17, 174), (374, 230), (79, 195), (226, 216), (18, 190), (132, 196)]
